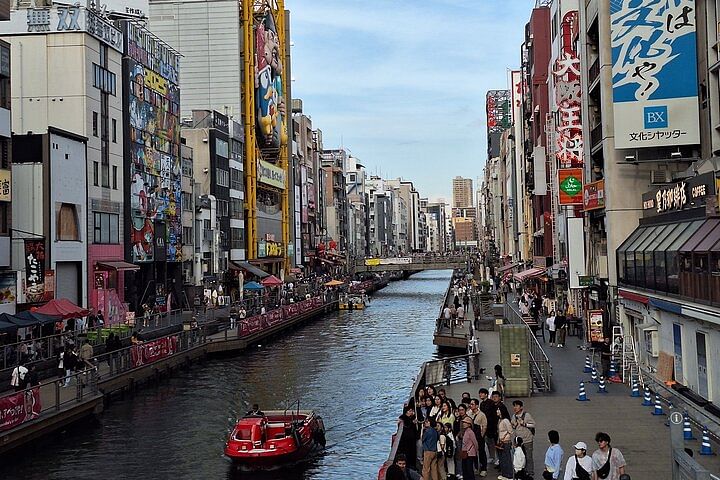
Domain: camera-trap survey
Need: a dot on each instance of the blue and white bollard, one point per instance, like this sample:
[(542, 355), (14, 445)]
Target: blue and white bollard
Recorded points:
[(687, 429), (601, 385), (582, 396), (658, 406), (594, 375), (613, 370), (705, 447), (588, 365), (635, 389), (647, 400)]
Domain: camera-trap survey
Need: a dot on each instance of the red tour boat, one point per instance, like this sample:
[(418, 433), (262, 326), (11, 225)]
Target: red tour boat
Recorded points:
[(275, 438)]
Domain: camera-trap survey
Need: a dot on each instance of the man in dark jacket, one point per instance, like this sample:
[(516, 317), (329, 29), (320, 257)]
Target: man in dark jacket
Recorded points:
[(409, 437)]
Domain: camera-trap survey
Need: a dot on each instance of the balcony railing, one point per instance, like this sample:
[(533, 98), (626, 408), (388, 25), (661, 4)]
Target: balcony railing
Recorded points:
[(596, 135), (594, 71)]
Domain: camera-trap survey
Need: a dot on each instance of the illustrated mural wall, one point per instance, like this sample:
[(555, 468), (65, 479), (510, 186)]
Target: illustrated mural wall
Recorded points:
[(155, 174), (270, 96)]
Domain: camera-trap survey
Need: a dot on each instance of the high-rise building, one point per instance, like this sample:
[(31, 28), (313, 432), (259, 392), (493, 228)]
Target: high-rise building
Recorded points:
[(462, 192)]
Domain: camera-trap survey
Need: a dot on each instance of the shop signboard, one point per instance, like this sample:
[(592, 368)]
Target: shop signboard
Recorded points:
[(686, 194), (5, 186), (585, 280), (654, 73), (8, 287), (570, 186), (594, 195), (274, 249), (34, 270), (595, 326), (269, 174)]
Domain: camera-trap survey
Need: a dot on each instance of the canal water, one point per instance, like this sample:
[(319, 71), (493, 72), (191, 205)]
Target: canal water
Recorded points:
[(354, 368)]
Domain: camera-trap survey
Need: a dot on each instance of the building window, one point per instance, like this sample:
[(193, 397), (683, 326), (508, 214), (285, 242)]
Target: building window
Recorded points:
[(67, 227), (223, 177), (114, 130), (107, 228), (221, 148), (236, 238), (95, 124), (104, 80), (105, 175), (186, 201), (114, 178), (5, 218), (236, 179), (96, 173), (187, 167), (223, 206), (187, 236), (236, 208)]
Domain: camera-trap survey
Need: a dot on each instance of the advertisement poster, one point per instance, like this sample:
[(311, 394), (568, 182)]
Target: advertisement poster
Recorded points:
[(594, 195), (270, 96), (19, 408), (34, 270), (654, 71), (595, 326), (154, 148), (570, 182), (8, 287), (49, 285), (153, 351)]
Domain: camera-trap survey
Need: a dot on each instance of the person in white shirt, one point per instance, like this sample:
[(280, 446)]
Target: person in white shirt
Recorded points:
[(461, 314), (550, 322), (17, 379), (446, 315), (579, 466), (518, 460)]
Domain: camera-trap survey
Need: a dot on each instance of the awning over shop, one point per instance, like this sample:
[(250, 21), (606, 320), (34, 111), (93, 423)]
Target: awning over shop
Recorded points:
[(7, 328), (705, 239), (249, 267), (505, 268), (37, 317), (63, 308), (118, 265), (529, 273)]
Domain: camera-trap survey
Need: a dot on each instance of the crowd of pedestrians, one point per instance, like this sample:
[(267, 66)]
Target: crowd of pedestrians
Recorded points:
[(443, 439)]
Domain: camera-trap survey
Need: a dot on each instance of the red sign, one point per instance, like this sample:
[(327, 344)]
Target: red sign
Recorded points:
[(570, 183), (153, 351), (49, 285), (19, 408), (34, 270), (594, 195)]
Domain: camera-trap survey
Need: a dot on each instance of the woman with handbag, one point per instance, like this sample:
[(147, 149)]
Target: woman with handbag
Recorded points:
[(469, 451), (504, 445)]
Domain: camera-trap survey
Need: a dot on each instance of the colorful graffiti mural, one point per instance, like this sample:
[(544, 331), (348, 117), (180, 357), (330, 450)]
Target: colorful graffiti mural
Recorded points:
[(155, 173)]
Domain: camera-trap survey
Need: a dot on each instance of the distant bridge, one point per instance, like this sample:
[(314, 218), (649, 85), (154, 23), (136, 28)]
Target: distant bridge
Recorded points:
[(410, 264)]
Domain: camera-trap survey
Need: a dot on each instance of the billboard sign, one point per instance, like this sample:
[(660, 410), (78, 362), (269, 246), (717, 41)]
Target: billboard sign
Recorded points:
[(34, 270), (269, 174), (269, 93), (566, 73), (691, 193), (570, 182), (153, 148), (594, 195), (654, 55)]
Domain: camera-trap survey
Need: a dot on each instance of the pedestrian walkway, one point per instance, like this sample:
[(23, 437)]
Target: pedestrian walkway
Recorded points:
[(643, 438), (453, 335)]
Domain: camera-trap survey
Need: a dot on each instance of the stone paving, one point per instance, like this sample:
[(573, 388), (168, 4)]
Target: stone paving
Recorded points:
[(643, 438)]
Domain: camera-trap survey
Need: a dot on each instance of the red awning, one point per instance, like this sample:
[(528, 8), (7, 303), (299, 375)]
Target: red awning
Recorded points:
[(271, 281), (529, 273), (64, 308)]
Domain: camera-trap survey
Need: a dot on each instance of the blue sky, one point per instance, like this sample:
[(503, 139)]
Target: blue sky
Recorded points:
[(402, 83)]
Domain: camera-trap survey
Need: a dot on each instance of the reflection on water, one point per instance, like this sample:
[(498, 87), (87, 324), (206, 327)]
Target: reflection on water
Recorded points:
[(354, 368)]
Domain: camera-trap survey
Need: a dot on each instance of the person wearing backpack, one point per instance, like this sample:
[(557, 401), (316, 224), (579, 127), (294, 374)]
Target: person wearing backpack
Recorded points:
[(579, 466), (608, 463), (449, 451), (524, 427)]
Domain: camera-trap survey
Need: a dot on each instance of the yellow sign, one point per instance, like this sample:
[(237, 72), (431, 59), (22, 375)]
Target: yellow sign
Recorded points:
[(274, 249), (155, 82), (269, 174), (5, 186), (372, 262)]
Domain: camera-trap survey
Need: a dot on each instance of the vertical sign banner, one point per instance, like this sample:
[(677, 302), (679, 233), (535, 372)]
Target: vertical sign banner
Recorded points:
[(8, 287), (654, 54), (49, 285), (595, 326), (34, 270), (568, 129), (570, 181)]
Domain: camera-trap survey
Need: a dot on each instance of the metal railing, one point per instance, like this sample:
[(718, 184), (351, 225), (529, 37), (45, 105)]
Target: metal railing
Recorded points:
[(59, 391), (540, 366)]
